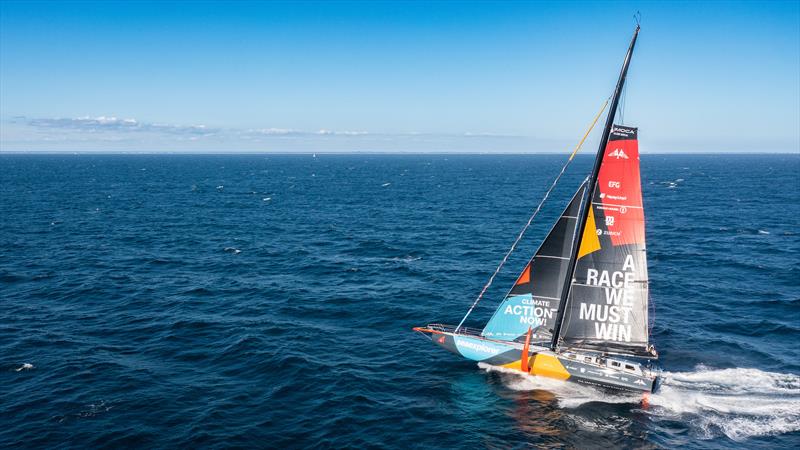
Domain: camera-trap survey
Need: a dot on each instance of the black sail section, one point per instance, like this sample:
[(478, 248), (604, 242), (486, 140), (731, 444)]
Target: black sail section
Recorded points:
[(534, 299), (608, 299)]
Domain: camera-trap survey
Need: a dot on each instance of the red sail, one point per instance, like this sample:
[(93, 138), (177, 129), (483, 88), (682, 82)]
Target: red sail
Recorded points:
[(620, 189), (607, 303)]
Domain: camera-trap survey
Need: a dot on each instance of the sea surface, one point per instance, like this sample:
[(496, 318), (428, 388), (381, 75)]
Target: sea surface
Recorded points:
[(164, 301)]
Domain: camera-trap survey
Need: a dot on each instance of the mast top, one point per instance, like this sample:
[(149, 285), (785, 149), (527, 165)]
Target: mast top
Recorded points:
[(592, 185)]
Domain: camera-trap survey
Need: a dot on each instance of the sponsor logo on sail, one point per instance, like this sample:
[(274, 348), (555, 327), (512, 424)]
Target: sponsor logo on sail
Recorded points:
[(619, 154)]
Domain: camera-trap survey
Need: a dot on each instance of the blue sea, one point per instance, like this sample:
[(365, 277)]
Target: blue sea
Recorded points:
[(163, 301)]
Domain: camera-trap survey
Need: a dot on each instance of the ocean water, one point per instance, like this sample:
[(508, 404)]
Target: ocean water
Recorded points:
[(267, 301)]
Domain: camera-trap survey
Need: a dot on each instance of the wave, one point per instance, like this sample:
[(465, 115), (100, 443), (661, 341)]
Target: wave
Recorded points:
[(407, 258), (25, 366), (570, 395), (738, 403)]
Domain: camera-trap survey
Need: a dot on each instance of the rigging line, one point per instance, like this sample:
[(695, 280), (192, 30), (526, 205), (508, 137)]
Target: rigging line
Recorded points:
[(530, 220), (651, 319)]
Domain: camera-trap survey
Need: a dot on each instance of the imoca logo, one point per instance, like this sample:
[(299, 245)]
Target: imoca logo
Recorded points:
[(618, 153)]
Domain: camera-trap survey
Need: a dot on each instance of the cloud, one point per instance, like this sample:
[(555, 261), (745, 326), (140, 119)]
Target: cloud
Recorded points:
[(111, 123), (275, 132), (291, 132), (113, 132), (324, 132), (490, 135), (104, 123), (101, 122)]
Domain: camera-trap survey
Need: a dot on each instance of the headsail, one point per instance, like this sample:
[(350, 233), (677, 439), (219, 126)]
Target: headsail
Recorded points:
[(606, 306), (536, 295)]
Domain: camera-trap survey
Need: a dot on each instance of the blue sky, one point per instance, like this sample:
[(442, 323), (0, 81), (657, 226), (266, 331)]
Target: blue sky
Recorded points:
[(395, 76)]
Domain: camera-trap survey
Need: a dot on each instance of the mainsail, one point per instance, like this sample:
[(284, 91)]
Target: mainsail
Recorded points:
[(606, 306), (534, 300)]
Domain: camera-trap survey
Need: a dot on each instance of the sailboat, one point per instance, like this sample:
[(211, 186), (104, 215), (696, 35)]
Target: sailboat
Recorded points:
[(579, 309)]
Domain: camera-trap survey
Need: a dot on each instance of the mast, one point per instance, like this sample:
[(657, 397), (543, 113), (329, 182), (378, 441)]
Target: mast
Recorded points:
[(584, 212)]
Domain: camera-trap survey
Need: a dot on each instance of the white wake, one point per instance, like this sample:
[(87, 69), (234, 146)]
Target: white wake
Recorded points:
[(738, 403)]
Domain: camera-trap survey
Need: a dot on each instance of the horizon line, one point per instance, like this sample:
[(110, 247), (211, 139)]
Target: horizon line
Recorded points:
[(364, 152)]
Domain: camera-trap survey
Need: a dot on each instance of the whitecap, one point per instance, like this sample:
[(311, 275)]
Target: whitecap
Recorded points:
[(407, 258), (739, 403), (26, 366), (386, 184), (569, 395)]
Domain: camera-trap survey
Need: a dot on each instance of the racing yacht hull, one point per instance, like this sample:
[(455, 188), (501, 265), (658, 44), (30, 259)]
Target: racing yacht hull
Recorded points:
[(536, 359)]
